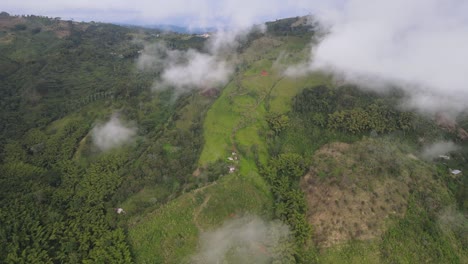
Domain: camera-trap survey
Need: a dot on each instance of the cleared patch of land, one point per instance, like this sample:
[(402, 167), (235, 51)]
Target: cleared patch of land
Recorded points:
[(353, 191)]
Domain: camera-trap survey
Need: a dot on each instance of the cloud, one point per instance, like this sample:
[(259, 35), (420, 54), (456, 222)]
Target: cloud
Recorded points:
[(184, 70), (439, 148), (451, 220), (419, 45), (199, 71), (112, 134), (155, 57), (192, 69), (245, 240)]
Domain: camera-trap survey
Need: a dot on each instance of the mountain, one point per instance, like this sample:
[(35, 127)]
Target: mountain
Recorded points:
[(171, 28), (121, 144), (181, 29)]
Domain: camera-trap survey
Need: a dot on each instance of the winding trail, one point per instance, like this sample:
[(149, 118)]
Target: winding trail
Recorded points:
[(197, 212), (250, 109)]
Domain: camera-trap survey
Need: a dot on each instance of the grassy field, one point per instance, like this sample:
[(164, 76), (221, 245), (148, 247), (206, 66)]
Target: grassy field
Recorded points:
[(237, 118), (170, 234), (234, 122), (287, 88), (356, 252), (221, 118)]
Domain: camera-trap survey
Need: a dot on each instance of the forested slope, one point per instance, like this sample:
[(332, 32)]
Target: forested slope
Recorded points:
[(321, 171), (58, 190)]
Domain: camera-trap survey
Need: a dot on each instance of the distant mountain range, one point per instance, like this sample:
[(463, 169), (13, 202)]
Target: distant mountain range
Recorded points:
[(175, 28), (181, 29)]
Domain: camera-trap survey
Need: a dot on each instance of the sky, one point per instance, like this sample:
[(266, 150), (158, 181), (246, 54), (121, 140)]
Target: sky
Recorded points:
[(179, 12)]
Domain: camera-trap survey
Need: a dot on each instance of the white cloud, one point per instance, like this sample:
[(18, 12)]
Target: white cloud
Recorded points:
[(156, 57), (421, 45), (112, 134), (246, 240), (184, 70), (436, 149), (192, 69), (200, 71)]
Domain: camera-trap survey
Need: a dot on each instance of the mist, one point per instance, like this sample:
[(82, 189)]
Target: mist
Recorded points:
[(112, 134), (200, 71), (245, 240), (433, 151), (420, 46), (184, 70), (193, 69), (452, 220)]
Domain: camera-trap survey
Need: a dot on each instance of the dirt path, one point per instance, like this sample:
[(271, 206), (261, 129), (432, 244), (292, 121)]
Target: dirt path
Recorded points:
[(197, 212), (204, 187), (250, 109)]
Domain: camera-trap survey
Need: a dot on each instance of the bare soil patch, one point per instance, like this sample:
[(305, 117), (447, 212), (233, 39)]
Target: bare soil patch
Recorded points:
[(348, 203)]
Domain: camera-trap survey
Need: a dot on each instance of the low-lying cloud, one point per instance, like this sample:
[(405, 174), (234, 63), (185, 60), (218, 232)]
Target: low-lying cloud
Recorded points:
[(112, 134), (201, 70), (453, 221), (185, 70), (438, 148), (245, 240), (419, 45), (193, 69)]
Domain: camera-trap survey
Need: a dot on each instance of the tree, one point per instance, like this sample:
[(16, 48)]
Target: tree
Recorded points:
[(290, 165), (283, 174), (277, 122)]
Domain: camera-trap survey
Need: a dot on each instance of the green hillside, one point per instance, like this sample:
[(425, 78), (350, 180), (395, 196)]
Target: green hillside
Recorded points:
[(321, 172)]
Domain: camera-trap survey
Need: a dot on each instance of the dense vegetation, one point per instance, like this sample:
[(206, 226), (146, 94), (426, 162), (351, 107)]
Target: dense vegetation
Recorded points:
[(322, 115), (59, 193), (291, 26), (283, 174), (351, 110)]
